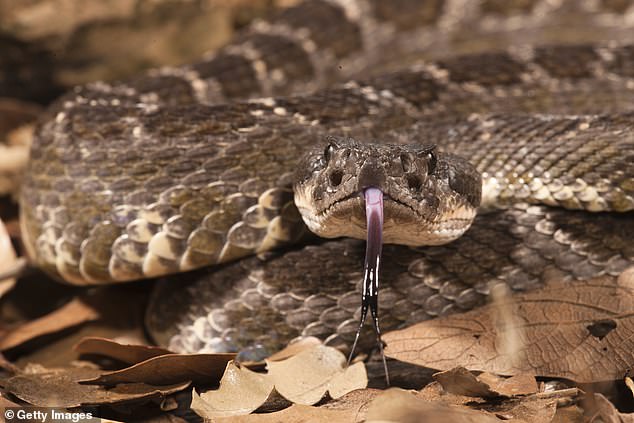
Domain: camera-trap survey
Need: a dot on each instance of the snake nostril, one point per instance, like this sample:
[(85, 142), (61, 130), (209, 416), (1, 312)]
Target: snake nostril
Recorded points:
[(335, 177), (414, 182)]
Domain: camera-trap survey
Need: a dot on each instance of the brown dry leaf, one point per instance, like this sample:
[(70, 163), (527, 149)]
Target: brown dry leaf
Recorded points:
[(241, 391), (603, 410), (306, 377), (349, 408), (71, 314), (4, 403), (578, 331), (435, 392), (294, 348), (398, 405), (358, 400), (8, 260), (460, 381), (298, 413), (120, 318), (352, 378), (521, 384), (127, 353), (533, 410), (60, 388), (301, 379), (569, 414), (168, 369)]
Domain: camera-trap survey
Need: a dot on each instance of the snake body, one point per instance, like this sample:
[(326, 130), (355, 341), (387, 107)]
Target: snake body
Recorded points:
[(148, 177)]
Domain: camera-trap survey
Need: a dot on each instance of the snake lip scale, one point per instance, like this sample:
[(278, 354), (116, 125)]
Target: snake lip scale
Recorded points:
[(396, 207)]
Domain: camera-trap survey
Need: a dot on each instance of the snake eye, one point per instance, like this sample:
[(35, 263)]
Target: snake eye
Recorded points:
[(429, 153), (432, 163), (328, 152)]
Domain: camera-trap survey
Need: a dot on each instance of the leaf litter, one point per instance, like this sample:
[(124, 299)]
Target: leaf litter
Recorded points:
[(460, 381), (432, 404), (126, 353), (71, 314), (578, 331), (61, 388), (241, 391), (600, 409), (302, 379), (167, 369), (457, 395), (306, 377)]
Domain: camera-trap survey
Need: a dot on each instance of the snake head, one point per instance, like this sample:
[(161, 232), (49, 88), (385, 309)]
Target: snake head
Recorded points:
[(430, 197)]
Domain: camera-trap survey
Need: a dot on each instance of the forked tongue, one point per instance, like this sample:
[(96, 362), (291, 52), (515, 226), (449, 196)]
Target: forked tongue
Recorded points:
[(374, 221)]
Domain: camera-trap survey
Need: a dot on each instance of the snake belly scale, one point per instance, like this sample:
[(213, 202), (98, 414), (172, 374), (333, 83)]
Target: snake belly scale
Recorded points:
[(151, 176)]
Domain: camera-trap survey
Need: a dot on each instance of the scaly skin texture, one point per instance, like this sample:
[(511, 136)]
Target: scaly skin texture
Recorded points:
[(260, 303), (118, 190), (146, 177)]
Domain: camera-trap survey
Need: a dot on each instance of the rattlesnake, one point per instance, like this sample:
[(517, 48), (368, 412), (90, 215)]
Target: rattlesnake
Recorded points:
[(153, 176)]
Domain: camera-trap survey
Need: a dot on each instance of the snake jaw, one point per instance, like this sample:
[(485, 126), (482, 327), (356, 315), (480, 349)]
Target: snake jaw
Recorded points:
[(430, 198)]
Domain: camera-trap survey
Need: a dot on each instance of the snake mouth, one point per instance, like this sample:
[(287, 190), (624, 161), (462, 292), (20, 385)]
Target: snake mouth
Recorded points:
[(354, 203), (403, 224), (350, 201)]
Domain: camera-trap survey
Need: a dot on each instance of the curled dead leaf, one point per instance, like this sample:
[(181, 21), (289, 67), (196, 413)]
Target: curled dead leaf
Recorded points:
[(398, 405), (349, 408), (241, 391), (531, 410), (302, 379), (294, 348), (352, 378), (298, 413), (460, 381), (560, 333), (168, 369), (306, 377), (521, 384), (60, 388), (4, 403), (71, 314), (127, 353)]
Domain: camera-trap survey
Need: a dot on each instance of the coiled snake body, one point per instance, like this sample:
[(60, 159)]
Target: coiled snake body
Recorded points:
[(148, 177)]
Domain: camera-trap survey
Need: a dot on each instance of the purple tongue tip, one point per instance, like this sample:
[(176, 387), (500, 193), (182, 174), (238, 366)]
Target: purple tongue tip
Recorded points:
[(373, 196), (373, 202), (370, 297)]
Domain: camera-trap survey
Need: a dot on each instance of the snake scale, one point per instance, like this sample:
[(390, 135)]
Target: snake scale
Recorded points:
[(168, 173)]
